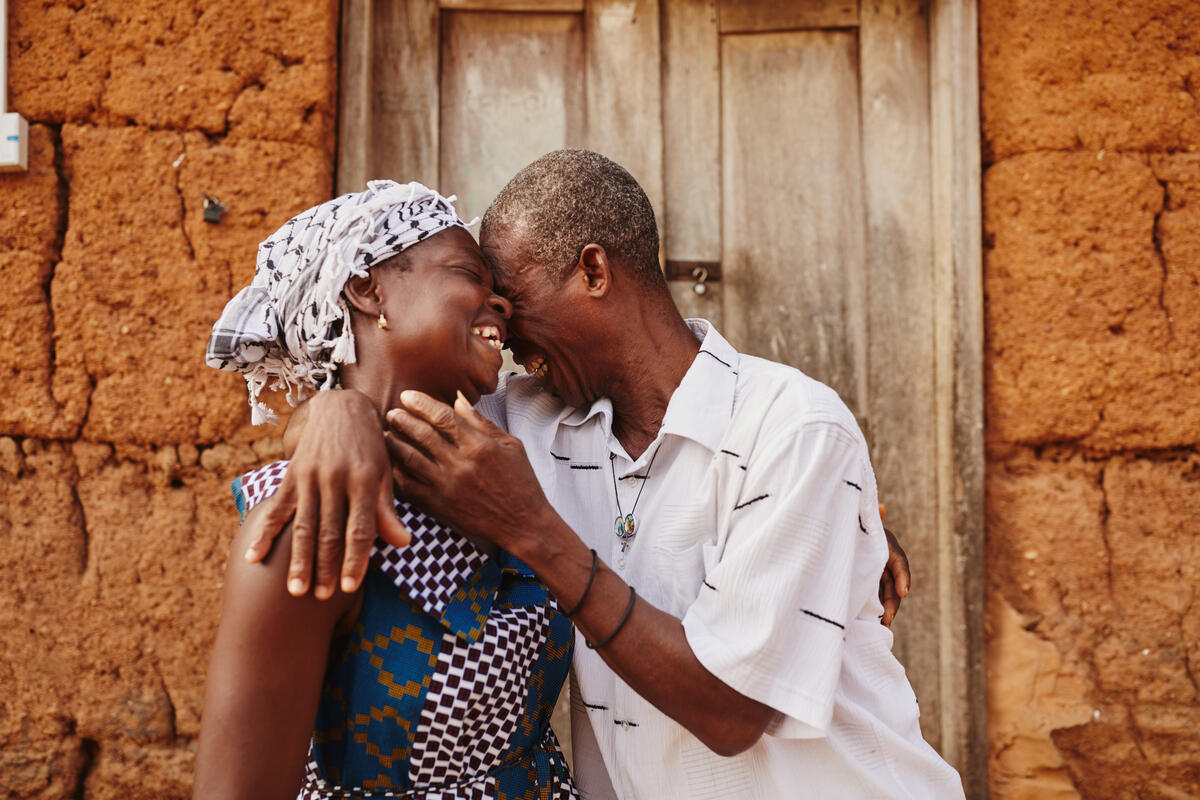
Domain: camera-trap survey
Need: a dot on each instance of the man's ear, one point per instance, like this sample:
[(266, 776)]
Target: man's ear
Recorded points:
[(363, 295), (595, 270)]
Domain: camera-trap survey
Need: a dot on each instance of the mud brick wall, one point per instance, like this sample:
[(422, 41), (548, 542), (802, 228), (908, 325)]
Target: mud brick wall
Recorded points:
[(1092, 237), (116, 442)]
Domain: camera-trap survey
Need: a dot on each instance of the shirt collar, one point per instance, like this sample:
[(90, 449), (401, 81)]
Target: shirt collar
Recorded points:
[(702, 405), (578, 416)]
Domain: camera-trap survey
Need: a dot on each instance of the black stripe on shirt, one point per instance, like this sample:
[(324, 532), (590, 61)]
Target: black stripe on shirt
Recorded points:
[(753, 500), (823, 619), (726, 363)]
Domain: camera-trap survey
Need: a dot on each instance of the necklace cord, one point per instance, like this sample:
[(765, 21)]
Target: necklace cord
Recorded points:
[(645, 480)]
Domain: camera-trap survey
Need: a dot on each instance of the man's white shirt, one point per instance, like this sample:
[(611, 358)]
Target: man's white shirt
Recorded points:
[(758, 526)]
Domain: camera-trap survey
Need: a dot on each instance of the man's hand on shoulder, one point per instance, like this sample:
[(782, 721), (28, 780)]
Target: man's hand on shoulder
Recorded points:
[(337, 492), (896, 579)]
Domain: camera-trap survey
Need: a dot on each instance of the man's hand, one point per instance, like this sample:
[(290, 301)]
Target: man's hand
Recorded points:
[(339, 488), (894, 583), (460, 467)]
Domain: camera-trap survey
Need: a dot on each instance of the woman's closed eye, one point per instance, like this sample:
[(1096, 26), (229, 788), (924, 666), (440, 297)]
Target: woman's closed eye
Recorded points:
[(473, 272)]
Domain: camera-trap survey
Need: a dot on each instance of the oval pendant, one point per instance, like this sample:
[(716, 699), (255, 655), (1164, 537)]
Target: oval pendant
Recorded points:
[(620, 525), (630, 524)]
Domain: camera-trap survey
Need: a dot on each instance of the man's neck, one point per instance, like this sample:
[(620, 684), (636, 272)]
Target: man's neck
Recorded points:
[(649, 376)]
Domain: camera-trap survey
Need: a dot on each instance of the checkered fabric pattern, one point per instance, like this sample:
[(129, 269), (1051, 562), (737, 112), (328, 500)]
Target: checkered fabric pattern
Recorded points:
[(316, 788), (257, 485), (433, 566), (430, 570), (477, 696)]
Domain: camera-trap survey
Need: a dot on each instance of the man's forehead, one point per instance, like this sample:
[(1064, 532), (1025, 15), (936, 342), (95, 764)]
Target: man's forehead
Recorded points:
[(503, 243), (506, 254)]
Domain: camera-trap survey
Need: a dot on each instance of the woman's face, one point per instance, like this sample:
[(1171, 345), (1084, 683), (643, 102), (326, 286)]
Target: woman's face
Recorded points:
[(446, 325)]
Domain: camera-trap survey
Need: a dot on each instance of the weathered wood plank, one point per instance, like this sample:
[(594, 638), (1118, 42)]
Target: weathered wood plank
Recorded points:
[(354, 95), (624, 89), (893, 58), (958, 271), (761, 16), (512, 89), (792, 220), (513, 5), (402, 140), (691, 221)]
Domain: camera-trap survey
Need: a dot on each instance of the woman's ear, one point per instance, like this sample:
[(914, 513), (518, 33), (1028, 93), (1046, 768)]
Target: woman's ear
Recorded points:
[(595, 269), (363, 295)]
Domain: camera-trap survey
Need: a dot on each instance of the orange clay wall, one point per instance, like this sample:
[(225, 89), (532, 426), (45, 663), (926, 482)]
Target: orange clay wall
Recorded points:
[(117, 444), (1092, 274)]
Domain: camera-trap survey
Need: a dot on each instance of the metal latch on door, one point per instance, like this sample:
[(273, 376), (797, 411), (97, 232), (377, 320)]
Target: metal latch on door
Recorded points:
[(702, 272)]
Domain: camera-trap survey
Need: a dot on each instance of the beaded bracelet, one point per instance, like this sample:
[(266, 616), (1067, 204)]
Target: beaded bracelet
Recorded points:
[(586, 589), (621, 624)]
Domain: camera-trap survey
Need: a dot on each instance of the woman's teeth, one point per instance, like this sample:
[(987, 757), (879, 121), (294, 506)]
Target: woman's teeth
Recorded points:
[(536, 367), (490, 334)]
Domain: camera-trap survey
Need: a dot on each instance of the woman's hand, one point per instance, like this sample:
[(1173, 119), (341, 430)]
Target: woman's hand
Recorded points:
[(338, 487), (459, 466)]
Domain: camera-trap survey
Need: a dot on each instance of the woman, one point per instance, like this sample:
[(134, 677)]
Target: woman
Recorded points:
[(436, 679)]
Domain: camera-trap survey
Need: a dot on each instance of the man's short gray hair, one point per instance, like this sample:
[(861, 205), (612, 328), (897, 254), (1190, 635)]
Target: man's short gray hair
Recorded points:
[(570, 198)]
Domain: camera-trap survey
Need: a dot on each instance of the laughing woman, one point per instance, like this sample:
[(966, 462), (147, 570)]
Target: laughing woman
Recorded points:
[(436, 678)]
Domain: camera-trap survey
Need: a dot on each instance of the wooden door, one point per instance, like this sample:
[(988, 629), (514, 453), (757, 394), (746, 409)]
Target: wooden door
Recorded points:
[(819, 157)]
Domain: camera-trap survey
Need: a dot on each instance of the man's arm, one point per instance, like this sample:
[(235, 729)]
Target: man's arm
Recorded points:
[(264, 680), (338, 487)]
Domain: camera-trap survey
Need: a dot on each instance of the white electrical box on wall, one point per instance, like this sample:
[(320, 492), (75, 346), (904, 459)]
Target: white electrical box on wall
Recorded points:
[(14, 143), (14, 130)]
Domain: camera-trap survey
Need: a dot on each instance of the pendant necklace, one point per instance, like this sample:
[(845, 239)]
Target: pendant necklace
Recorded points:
[(626, 524)]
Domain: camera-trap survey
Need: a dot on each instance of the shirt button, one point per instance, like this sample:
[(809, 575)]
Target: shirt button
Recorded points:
[(630, 481)]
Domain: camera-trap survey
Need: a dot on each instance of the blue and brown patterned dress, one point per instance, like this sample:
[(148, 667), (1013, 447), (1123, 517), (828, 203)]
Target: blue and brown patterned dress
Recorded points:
[(445, 687)]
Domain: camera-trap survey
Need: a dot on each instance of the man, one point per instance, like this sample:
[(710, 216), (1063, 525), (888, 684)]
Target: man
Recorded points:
[(714, 532)]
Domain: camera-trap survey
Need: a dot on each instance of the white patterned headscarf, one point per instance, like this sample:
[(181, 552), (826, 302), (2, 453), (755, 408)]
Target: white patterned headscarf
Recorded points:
[(290, 327)]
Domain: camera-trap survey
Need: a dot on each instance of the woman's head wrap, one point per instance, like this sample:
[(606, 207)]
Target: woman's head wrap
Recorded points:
[(290, 327)]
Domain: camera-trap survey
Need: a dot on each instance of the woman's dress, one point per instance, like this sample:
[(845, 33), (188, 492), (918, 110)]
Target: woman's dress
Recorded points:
[(444, 688)]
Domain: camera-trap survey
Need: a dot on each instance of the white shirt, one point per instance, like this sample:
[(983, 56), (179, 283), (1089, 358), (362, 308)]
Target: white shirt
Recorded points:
[(758, 526)]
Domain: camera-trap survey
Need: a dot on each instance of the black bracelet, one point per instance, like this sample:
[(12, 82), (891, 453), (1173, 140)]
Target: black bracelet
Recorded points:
[(586, 589), (621, 624)]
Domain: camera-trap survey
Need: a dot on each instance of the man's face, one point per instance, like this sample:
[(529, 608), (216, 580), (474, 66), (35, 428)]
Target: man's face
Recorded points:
[(548, 330)]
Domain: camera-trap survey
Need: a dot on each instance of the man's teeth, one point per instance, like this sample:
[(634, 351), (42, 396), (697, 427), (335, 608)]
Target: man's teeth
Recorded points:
[(536, 367), (491, 334)]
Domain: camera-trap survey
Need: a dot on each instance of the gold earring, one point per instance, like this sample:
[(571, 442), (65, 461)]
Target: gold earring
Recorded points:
[(382, 321)]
